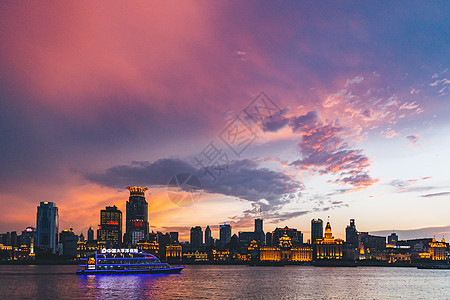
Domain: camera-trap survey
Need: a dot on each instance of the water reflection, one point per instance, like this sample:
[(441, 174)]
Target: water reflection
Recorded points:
[(227, 282), (122, 286)]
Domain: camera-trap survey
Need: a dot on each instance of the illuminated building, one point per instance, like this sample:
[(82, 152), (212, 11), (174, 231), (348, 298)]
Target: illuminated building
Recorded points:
[(149, 247), (245, 238), (372, 242), (399, 257), (437, 250), (195, 256), (86, 248), (137, 216), (27, 238), (221, 255), (328, 247), (47, 226), (8, 252), (285, 252), (196, 238), (393, 239), (253, 250), (295, 235), (225, 234), (174, 253), (110, 228), (316, 230)]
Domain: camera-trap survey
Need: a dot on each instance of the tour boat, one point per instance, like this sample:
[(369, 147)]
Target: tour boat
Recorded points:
[(125, 261)]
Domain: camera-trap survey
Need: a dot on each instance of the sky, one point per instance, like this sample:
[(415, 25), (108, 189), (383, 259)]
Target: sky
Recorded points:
[(288, 111)]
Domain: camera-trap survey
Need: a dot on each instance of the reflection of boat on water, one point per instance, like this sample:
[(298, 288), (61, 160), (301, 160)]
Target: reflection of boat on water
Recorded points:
[(125, 261), (434, 266)]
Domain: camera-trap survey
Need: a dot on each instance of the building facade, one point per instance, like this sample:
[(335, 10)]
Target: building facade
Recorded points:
[(285, 252), (225, 234), (328, 247), (110, 228), (351, 234), (196, 238), (208, 237), (47, 226), (316, 230), (137, 228)]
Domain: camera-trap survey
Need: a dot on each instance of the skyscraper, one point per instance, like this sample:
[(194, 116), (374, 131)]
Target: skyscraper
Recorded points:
[(137, 216), (351, 234), (27, 238), (259, 235), (173, 237), (196, 237), (90, 234), (208, 238), (47, 226), (225, 234), (269, 239), (316, 230), (258, 225), (110, 228)]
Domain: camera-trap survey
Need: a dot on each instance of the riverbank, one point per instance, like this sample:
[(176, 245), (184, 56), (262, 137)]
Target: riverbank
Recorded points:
[(361, 263)]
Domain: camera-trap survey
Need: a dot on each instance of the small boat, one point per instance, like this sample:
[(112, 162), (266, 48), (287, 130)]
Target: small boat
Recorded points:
[(125, 261), (434, 266)]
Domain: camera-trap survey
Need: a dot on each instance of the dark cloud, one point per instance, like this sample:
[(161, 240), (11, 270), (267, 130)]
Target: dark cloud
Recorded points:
[(242, 179), (437, 194), (427, 232), (305, 122), (404, 186), (413, 139), (275, 122)]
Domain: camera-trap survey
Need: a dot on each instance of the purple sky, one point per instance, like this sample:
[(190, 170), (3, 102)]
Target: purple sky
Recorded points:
[(95, 97)]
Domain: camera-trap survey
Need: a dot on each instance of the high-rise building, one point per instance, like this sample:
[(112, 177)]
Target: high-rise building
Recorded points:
[(258, 225), (110, 228), (90, 234), (316, 230), (259, 235), (393, 239), (68, 241), (225, 234), (351, 234), (47, 226), (173, 237), (196, 237), (27, 238), (137, 216), (208, 238), (269, 239)]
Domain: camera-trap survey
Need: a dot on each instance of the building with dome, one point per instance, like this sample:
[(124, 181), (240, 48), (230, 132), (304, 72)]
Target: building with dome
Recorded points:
[(285, 252), (328, 247)]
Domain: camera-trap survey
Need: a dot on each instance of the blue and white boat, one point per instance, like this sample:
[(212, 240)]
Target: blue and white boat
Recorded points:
[(125, 261)]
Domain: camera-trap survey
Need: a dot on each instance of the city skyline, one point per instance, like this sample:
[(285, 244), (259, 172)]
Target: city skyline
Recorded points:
[(115, 236), (345, 107)]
